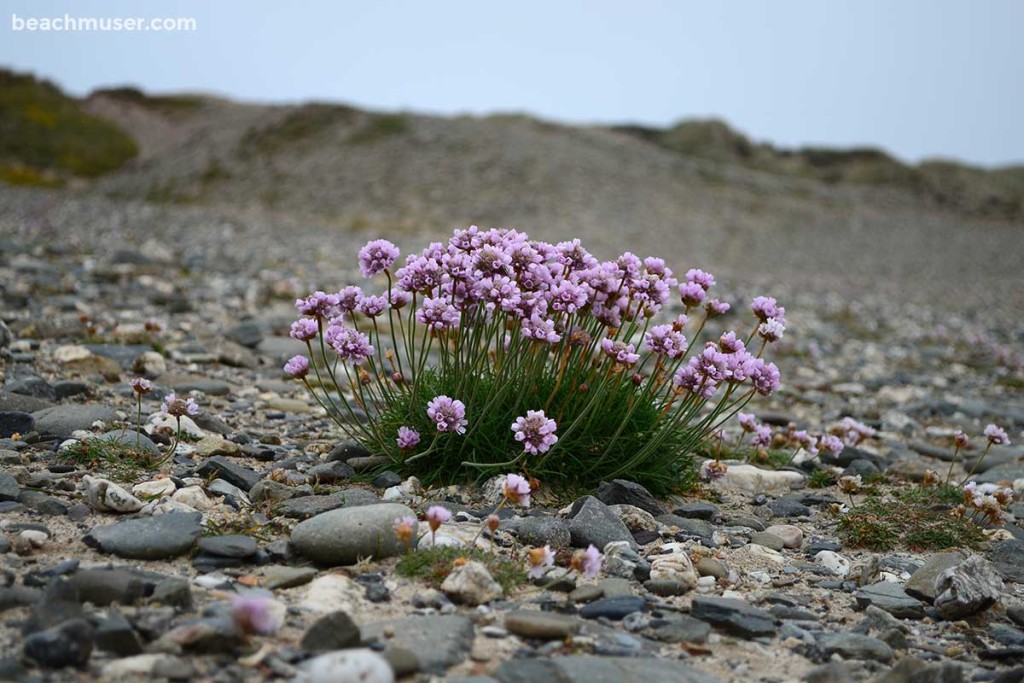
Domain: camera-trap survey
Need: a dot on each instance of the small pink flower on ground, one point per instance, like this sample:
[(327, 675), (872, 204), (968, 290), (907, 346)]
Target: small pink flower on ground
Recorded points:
[(256, 614), (436, 516), (588, 562), (713, 469), (516, 490), (448, 414), (405, 527), (540, 559), (536, 431), (407, 437), (297, 367), (997, 435), (140, 385)]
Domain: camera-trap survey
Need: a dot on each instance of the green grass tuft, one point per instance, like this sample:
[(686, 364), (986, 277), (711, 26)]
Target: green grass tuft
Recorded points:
[(121, 461), (433, 565)]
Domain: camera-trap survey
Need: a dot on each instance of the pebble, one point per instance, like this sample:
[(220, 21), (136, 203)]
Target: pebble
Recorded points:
[(834, 562), (968, 588), (344, 536), (614, 608), (593, 523), (471, 584), (541, 625), (360, 665), (149, 538), (792, 536), (333, 631), (756, 480), (107, 496)]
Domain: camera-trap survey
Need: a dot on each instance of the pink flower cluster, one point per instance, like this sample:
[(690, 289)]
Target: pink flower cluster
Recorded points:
[(536, 431)]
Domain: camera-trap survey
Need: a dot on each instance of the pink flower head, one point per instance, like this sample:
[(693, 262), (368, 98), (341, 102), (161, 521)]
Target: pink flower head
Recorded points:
[(831, 444), (256, 614), (351, 345), (765, 307), (748, 421), (177, 407), (141, 385), (297, 367), (405, 529), (765, 376), (621, 351), (436, 516), (448, 414), (715, 308), (698, 277), (997, 435), (407, 438), (536, 431), (588, 562), (398, 298), (762, 436), (713, 469), (541, 329), (540, 559), (516, 489), (348, 298), (438, 314), (771, 330), (960, 439), (304, 329), (372, 306), (376, 257), (692, 294), (666, 340), (318, 304)]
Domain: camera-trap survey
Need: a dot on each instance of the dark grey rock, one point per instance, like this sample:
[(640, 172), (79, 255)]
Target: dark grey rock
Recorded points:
[(763, 538), (173, 592), (854, 646), (15, 422), (329, 473), (592, 669), (438, 642), (103, 586), (304, 507), (614, 608), (1006, 635), (280, 577), (890, 597), (861, 468), (733, 616), (386, 480), (591, 522), (9, 489), (787, 507), (681, 629), (666, 587), (690, 527), (344, 536), (231, 472), (624, 492), (19, 403), (233, 546), (248, 333), (1008, 558), (31, 385), (541, 625), (67, 388), (334, 631), (968, 588), (541, 531), (149, 538), (275, 491), (346, 450), (67, 644), (115, 634), (123, 354), (699, 510), (61, 421), (18, 596)]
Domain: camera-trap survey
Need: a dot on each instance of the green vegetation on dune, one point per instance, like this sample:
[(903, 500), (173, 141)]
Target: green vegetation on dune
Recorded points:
[(45, 136)]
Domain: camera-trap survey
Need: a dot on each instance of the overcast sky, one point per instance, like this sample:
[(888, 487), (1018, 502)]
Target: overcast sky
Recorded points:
[(921, 78)]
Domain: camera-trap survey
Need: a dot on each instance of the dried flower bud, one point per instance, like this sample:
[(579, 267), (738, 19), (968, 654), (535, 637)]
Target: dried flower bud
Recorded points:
[(493, 522)]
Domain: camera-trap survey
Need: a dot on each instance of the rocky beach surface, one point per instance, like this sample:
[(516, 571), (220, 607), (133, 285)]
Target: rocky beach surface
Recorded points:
[(115, 571)]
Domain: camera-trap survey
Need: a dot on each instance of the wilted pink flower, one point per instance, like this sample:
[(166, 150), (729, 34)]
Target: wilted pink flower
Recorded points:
[(997, 435), (405, 529), (436, 516), (304, 329), (960, 439), (536, 431), (297, 367), (540, 559), (621, 351), (448, 414), (177, 407), (832, 444), (141, 385), (748, 421), (376, 257), (715, 308), (762, 436), (256, 614), (771, 330), (516, 489), (806, 441), (407, 437), (713, 469), (588, 562)]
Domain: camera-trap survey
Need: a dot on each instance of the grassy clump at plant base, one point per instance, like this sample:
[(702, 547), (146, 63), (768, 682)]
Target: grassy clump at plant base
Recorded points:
[(121, 460), (917, 518), (433, 565), (44, 133)]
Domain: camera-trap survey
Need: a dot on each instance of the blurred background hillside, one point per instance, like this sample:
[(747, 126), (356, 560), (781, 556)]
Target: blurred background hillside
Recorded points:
[(855, 219)]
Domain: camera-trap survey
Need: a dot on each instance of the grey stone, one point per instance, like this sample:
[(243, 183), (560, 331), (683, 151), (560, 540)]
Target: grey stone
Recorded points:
[(733, 616), (31, 385), (346, 450), (103, 586), (854, 646), (681, 629), (19, 403), (235, 546), (709, 566), (329, 473), (15, 422), (149, 538), (66, 388), (541, 625), (890, 597), (763, 538), (914, 670), (67, 644), (691, 527), (588, 592), (334, 631), (438, 642), (593, 523), (624, 492), (615, 608), (18, 596), (275, 491), (123, 354), (386, 480), (280, 577), (699, 510), (115, 634), (231, 472), (304, 507), (967, 589), (1008, 558), (541, 531), (591, 669), (344, 536), (787, 507), (247, 333), (9, 489), (61, 421), (666, 587), (130, 438), (921, 584)]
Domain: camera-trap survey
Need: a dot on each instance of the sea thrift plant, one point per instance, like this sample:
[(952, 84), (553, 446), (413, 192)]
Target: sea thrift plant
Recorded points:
[(603, 369)]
